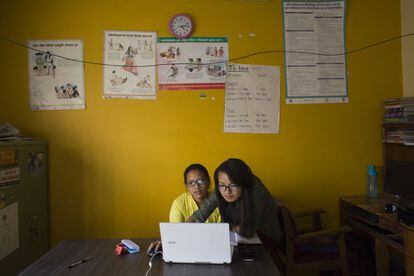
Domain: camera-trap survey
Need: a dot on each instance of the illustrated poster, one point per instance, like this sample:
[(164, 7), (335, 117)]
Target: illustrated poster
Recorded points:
[(193, 63), (252, 100), (9, 229), (129, 70), (315, 45), (56, 74)]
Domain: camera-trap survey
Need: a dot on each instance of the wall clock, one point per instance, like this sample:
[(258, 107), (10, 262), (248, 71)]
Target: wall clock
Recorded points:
[(181, 26)]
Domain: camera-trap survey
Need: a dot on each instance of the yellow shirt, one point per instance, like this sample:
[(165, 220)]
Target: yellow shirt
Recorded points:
[(185, 205)]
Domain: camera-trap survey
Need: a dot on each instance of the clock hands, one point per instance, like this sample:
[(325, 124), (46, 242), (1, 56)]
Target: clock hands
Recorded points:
[(181, 26)]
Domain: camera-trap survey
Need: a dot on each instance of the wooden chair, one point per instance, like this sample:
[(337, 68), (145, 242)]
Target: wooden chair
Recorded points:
[(318, 250)]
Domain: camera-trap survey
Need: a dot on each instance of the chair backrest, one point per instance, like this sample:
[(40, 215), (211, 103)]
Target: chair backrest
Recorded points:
[(289, 223), (285, 247)]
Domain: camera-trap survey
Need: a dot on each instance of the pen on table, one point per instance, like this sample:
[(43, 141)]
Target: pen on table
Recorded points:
[(80, 262)]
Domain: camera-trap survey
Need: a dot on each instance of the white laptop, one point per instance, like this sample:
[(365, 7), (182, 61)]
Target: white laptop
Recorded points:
[(196, 242)]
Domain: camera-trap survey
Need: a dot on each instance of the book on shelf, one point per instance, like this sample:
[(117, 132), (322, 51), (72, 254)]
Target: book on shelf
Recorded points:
[(399, 110), (408, 108), (398, 102), (407, 100), (398, 120), (392, 106)]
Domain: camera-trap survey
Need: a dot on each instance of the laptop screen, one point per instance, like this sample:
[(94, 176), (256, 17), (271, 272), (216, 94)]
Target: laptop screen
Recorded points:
[(196, 242)]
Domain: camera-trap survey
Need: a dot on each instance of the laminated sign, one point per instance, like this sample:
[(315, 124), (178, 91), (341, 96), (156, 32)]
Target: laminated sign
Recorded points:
[(9, 175)]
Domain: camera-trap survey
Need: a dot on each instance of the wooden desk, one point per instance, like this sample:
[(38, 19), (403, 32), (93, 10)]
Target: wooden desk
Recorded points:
[(368, 216), (105, 262)]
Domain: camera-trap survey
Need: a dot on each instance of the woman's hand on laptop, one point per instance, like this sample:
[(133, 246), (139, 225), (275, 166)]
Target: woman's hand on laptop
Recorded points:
[(191, 219), (154, 247), (236, 229)]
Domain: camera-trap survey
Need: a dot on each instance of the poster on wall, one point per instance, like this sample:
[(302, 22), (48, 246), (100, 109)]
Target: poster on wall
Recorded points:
[(315, 63), (129, 70), (56, 74), (193, 63), (252, 99), (9, 229)]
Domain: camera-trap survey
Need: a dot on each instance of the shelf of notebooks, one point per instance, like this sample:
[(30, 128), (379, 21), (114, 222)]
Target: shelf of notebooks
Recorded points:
[(399, 110)]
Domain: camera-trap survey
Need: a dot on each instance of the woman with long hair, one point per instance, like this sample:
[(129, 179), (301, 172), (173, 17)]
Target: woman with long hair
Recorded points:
[(243, 201)]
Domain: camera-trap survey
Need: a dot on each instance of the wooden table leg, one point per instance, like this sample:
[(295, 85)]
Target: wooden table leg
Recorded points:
[(382, 258)]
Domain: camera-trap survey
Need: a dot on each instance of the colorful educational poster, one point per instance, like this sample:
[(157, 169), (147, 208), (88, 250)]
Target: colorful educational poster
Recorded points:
[(193, 63), (129, 70), (252, 99), (315, 63), (9, 229), (56, 74)]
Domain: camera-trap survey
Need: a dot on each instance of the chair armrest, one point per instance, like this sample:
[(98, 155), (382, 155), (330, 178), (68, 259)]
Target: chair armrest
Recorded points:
[(312, 212), (315, 214), (324, 233)]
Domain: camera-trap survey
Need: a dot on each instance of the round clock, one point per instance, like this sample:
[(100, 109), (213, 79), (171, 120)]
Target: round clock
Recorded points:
[(181, 26)]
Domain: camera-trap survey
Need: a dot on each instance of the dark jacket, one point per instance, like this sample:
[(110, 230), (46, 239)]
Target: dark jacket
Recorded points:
[(265, 210)]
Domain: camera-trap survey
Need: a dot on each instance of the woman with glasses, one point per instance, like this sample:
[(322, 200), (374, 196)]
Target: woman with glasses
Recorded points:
[(197, 181), (243, 201)]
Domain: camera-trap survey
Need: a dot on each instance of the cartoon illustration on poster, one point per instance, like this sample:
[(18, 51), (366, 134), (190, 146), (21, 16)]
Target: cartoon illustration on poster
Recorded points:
[(56, 74), (130, 65), (193, 63)]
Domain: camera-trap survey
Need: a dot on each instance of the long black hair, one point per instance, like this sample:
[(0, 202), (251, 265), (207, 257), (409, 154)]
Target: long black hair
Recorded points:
[(239, 213)]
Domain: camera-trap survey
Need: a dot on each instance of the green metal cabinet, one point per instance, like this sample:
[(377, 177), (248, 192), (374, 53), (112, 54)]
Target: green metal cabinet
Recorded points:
[(30, 192)]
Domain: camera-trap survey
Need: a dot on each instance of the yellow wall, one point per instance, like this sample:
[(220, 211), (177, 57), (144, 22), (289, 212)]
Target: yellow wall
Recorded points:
[(407, 26), (116, 166)]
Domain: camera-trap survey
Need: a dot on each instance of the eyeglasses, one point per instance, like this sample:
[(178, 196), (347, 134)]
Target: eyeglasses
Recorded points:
[(197, 182), (230, 187)]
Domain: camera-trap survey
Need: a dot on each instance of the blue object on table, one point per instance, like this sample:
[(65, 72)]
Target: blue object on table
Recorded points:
[(372, 182), (131, 246)]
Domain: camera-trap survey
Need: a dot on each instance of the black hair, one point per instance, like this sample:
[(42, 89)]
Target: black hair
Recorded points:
[(196, 167), (239, 213)]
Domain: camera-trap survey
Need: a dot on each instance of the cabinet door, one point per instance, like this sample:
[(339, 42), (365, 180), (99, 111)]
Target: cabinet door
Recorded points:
[(33, 201), (409, 265), (31, 195)]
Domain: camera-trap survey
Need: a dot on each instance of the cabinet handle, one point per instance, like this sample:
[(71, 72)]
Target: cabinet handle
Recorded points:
[(34, 218)]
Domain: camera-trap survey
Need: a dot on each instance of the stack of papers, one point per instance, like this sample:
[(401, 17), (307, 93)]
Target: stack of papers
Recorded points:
[(7, 130), (235, 239)]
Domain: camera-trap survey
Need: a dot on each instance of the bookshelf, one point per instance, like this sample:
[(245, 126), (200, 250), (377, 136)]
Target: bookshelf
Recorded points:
[(398, 146), (398, 126)]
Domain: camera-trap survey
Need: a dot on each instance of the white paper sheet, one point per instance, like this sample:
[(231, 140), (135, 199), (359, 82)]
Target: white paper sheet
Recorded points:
[(252, 99), (133, 53), (8, 130), (9, 229), (55, 82), (315, 27), (236, 239)]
